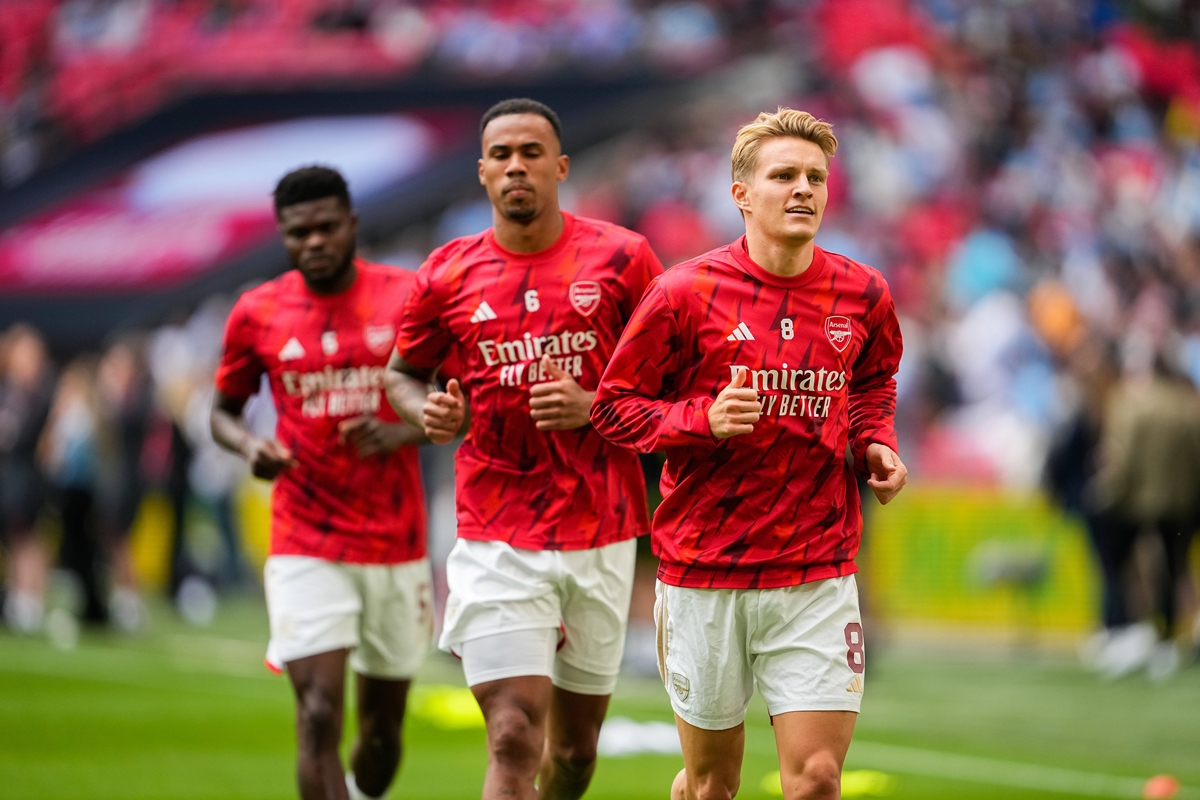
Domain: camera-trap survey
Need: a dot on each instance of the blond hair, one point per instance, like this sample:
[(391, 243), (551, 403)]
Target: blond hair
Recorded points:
[(784, 122)]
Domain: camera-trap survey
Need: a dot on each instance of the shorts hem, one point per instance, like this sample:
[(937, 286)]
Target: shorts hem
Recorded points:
[(502, 673), (816, 705), (709, 724), (454, 646), (286, 656), (579, 688), (405, 674)]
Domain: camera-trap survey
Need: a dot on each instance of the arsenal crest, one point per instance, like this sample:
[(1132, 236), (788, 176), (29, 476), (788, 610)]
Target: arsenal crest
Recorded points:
[(379, 337), (585, 297), (839, 332)]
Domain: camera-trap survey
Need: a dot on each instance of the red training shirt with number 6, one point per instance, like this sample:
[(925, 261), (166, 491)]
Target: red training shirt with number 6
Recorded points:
[(535, 490), (325, 357), (779, 506)]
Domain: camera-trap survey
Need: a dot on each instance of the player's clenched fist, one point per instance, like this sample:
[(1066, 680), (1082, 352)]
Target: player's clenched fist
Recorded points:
[(735, 410), (560, 403), (267, 457), (888, 473), (444, 413)]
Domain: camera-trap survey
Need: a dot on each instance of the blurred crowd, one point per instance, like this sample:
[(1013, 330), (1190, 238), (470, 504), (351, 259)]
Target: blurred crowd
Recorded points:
[(1026, 174), (80, 448), (74, 70)]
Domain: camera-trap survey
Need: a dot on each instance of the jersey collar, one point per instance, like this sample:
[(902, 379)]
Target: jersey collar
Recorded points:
[(815, 270), (560, 244)]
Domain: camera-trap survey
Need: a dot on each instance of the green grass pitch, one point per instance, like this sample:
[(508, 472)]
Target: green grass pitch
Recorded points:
[(183, 714)]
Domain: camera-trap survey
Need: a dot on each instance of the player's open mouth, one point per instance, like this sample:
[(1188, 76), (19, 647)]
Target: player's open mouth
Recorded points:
[(806, 211)]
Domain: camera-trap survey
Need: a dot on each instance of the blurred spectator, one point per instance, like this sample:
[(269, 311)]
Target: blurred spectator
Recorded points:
[(70, 454), (1149, 480), (26, 388), (126, 404)]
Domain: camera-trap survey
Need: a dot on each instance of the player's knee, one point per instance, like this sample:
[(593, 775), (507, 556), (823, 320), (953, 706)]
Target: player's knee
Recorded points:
[(513, 738), (319, 717), (575, 760), (714, 786), (821, 779)]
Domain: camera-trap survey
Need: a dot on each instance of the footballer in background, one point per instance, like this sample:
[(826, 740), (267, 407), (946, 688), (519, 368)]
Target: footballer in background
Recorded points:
[(548, 511), (347, 577), (755, 368)]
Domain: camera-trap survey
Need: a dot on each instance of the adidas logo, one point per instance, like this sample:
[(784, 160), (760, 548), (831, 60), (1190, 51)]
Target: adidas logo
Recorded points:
[(856, 685), (740, 334), (483, 313), (292, 350)]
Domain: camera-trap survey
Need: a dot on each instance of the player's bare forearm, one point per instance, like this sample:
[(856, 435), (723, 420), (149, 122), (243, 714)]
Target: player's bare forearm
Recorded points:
[(227, 424), (266, 457), (401, 434), (407, 390)]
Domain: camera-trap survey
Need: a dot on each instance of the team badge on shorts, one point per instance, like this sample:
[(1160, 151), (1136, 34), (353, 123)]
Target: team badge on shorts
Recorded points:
[(682, 686), (839, 332), (379, 337), (585, 297)]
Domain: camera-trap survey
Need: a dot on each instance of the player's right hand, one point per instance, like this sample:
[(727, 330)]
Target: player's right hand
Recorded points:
[(267, 458), (444, 412), (735, 410)]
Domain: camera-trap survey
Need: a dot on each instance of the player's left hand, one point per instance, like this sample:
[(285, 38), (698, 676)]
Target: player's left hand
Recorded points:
[(887, 472), (559, 404), (369, 434)]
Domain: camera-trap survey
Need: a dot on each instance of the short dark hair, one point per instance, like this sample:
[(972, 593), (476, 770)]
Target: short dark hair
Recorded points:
[(522, 105), (310, 183)]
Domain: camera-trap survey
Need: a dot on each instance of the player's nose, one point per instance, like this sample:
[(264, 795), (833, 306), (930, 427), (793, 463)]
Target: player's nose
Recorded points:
[(515, 167)]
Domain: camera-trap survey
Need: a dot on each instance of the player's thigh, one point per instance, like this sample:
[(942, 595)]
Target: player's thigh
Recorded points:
[(808, 653), (496, 588), (313, 606), (712, 758), (703, 654), (396, 625), (381, 704), (812, 748), (594, 590)]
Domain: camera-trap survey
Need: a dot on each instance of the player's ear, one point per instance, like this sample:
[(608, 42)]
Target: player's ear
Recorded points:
[(741, 195), (482, 180), (564, 167)]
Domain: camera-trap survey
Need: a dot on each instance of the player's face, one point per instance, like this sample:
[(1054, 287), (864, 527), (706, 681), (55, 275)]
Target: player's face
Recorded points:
[(319, 236), (785, 199), (522, 165)]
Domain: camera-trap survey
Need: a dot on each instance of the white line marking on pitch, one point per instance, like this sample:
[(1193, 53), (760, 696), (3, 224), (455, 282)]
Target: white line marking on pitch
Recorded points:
[(937, 764)]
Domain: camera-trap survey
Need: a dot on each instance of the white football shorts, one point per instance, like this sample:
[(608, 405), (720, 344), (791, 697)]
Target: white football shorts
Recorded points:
[(580, 596), (802, 645), (383, 612)]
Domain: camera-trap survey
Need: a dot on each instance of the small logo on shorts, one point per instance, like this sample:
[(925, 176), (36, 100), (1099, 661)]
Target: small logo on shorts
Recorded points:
[(682, 685), (856, 685)]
